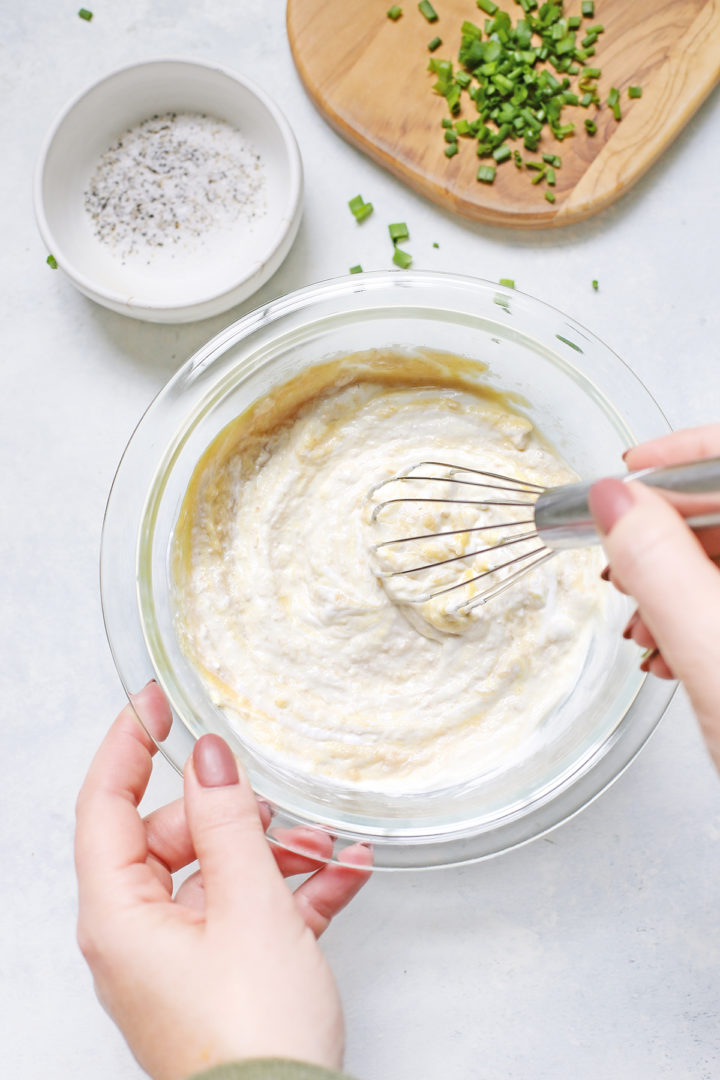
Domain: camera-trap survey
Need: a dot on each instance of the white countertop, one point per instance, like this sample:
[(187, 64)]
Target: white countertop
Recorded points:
[(590, 954)]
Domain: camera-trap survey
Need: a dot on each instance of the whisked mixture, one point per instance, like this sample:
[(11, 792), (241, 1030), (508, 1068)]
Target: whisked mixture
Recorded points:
[(321, 656)]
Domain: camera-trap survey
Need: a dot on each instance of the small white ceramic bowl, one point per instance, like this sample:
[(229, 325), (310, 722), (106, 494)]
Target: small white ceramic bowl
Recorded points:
[(186, 288)]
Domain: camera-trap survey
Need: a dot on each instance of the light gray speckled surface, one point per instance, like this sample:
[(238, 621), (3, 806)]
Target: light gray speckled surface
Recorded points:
[(594, 953)]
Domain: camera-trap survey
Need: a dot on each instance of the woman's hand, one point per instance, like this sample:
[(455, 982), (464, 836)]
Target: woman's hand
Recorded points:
[(672, 574), (230, 968)]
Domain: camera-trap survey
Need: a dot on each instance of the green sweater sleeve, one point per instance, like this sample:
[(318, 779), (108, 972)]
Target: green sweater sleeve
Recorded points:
[(269, 1069)]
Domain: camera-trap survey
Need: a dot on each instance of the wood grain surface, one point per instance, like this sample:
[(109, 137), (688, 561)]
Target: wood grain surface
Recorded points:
[(368, 76)]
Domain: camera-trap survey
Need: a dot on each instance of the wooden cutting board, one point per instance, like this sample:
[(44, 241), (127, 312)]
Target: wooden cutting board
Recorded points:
[(368, 76)]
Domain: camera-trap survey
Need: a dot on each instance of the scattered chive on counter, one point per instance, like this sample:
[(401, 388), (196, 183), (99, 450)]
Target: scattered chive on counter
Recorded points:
[(83, 13), (595, 284), (402, 259), (52, 262), (360, 208), (398, 232), (356, 269), (508, 282), (614, 103), (635, 91), (425, 8), (518, 75), (435, 244), (550, 196), (434, 44), (394, 13)]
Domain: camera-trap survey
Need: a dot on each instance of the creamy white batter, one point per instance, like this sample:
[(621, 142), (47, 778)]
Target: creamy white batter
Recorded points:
[(316, 658)]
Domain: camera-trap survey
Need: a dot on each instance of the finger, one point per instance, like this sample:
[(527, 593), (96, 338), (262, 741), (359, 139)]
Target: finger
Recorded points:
[(110, 835), (168, 834), (677, 587), (656, 665), (641, 635), (691, 444), (305, 850), (326, 893), (240, 876)]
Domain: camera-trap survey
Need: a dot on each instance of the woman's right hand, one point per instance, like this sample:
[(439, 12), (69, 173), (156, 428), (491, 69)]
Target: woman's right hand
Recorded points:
[(672, 574)]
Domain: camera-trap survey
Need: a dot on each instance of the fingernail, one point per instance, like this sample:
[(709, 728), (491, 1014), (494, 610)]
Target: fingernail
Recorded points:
[(648, 657), (609, 500), (627, 632), (214, 763), (626, 452), (605, 575)]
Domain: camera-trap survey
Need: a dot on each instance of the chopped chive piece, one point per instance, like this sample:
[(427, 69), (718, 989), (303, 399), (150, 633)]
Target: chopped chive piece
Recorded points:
[(539, 176), (486, 174), (394, 13), (435, 244), (535, 165), (587, 99), (502, 153), (434, 44), (574, 22), (398, 231), (634, 91), (566, 341), (591, 73), (451, 149), (446, 122), (588, 9), (508, 282), (487, 6), (425, 8), (360, 209), (550, 196), (550, 176), (401, 258), (614, 103), (356, 269), (553, 159), (85, 14), (52, 262), (451, 136), (595, 284), (590, 126)]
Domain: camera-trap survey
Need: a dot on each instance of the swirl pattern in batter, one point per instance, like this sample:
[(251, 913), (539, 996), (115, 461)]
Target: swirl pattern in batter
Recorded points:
[(320, 661)]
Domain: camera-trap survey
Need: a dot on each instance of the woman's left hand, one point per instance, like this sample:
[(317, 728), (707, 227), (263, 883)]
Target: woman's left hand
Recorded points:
[(229, 968)]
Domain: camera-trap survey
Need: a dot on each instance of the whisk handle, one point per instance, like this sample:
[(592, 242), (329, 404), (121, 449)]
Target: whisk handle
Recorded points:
[(563, 518)]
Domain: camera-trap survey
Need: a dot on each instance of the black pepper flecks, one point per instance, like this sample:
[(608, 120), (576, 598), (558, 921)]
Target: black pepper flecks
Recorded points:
[(171, 180)]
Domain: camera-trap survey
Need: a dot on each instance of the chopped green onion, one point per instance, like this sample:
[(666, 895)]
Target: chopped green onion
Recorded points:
[(590, 126), (356, 269), (553, 159), (435, 244), (539, 176), (434, 44), (508, 282), (425, 8), (591, 73), (446, 122), (360, 209), (588, 9), (451, 136), (85, 14), (614, 103), (402, 259), (550, 196), (595, 284), (394, 13), (487, 6), (486, 174), (502, 153), (587, 99), (574, 22), (52, 262), (451, 149), (565, 341), (550, 176), (399, 231), (634, 91)]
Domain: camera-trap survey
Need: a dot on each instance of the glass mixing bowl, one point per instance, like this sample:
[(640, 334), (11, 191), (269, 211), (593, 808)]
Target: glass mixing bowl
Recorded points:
[(580, 395)]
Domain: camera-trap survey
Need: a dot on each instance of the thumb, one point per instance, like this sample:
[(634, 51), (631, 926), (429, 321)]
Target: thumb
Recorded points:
[(238, 870), (659, 561)]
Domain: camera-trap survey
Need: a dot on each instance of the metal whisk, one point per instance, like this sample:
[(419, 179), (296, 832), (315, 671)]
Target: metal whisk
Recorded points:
[(548, 519)]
